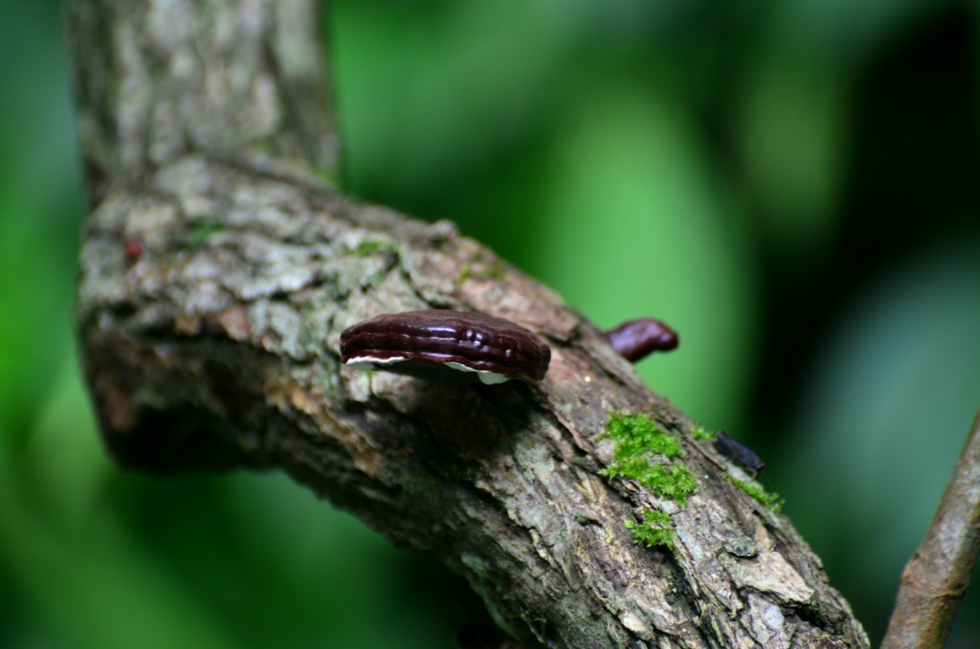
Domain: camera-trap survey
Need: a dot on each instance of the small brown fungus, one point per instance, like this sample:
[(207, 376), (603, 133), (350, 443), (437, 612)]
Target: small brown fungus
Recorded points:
[(636, 339), (738, 452), (447, 346)]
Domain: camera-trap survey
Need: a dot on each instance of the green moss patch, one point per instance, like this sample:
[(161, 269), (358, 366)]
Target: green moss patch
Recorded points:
[(639, 434), (771, 501), (201, 228), (655, 530), (700, 433), (495, 270), (638, 440), (369, 247), (673, 481)]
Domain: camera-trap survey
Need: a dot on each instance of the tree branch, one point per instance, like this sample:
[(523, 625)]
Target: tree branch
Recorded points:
[(217, 273), (938, 574), (240, 80)]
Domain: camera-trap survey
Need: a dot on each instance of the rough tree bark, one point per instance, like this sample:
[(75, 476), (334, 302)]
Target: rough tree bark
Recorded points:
[(217, 271)]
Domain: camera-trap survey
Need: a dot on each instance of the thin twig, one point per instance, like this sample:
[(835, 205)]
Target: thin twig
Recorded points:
[(936, 577)]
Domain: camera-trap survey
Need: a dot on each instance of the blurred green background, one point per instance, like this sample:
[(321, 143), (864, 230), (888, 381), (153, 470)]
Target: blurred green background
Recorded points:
[(795, 186)]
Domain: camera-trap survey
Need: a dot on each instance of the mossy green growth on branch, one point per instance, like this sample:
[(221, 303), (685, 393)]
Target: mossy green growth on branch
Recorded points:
[(637, 434), (638, 439), (370, 247), (700, 433), (656, 529), (203, 227), (772, 501), (495, 270)]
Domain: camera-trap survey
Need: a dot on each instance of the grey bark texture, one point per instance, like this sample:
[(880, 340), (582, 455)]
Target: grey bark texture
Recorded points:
[(217, 271)]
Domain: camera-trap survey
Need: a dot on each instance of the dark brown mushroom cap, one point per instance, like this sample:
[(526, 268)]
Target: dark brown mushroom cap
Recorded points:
[(635, 339), (426, 341)]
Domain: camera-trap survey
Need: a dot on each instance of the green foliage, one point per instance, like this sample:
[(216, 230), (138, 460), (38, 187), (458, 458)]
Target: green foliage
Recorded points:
[(770, 500), (655, 530), (638, 441)]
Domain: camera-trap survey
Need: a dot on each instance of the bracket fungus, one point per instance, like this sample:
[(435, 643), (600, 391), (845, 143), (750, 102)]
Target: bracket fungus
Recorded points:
[(445, 345), (634, 340)]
